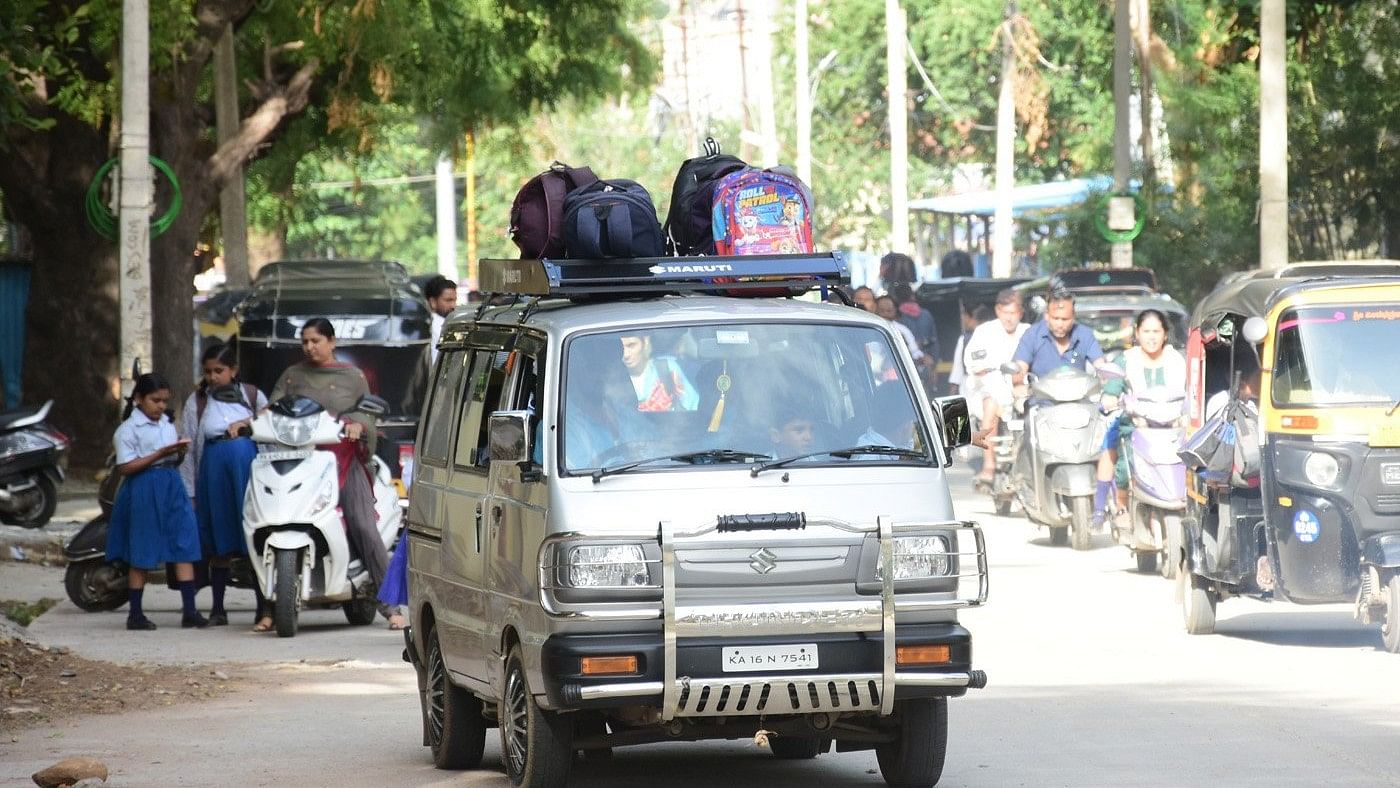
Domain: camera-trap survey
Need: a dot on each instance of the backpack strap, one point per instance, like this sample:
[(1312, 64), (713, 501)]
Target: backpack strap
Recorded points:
[(201, 400), (619, 226), (250, 397)]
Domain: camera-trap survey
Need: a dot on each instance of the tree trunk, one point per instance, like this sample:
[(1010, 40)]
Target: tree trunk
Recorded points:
[(71, 323)]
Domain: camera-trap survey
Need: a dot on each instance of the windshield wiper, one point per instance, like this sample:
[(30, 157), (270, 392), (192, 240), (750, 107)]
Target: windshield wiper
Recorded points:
[(692, 457), (1393, 408), (869, 448)]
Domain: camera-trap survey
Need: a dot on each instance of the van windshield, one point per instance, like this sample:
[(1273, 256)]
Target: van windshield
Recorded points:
[(1342, 354), (736, 392)]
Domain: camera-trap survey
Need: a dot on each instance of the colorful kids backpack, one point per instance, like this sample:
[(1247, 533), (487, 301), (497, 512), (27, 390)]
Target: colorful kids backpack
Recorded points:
[(762, 212)]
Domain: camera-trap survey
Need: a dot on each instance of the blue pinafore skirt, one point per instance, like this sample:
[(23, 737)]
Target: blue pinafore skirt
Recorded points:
[(224, 469), (152, 521)]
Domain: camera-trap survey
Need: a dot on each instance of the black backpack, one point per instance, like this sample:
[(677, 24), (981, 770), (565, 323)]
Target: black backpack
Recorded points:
[(613, 218), (689, 226)]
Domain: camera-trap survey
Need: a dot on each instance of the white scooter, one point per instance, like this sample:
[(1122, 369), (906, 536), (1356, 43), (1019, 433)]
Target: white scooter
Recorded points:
[(292, 521)]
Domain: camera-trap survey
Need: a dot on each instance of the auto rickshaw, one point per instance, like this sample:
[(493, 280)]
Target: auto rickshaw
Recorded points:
[(1318, 520), (382, 326)]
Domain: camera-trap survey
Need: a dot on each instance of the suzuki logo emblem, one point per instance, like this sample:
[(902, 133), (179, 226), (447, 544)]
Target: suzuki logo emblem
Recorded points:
[(763, 561)]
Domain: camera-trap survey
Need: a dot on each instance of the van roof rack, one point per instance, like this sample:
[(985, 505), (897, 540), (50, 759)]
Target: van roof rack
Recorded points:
[(641, 276)]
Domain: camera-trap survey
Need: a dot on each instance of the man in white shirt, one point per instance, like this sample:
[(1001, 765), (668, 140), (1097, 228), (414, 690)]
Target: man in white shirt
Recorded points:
[(441, 293), (988, 391)]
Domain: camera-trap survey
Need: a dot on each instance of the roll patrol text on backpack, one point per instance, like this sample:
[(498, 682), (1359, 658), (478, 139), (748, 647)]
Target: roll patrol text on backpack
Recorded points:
[(614, 218), (762, 212), (688, 221), (537, 215)]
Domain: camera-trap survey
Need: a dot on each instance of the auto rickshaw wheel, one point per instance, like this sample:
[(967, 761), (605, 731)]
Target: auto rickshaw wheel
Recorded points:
[(1390, 628), (1172, 560), (1197, 604)]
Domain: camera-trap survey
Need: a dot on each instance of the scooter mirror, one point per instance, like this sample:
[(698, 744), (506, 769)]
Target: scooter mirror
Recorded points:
[(373, 406), (1255, 329)]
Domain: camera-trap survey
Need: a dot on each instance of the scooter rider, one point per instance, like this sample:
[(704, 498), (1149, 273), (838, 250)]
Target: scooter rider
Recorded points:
[(1056, 341), (988, 392)]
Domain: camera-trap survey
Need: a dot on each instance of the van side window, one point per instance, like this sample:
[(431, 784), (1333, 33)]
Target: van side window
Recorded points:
[(484, 384), (437, 427)]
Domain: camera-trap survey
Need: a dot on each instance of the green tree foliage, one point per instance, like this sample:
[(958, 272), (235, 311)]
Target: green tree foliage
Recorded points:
[(313, 75)]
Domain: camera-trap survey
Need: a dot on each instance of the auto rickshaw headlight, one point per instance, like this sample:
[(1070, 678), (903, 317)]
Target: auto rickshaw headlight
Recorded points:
[(1322, 469)]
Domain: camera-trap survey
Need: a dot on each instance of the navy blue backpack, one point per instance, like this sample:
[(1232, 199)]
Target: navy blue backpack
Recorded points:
[(613, 218)]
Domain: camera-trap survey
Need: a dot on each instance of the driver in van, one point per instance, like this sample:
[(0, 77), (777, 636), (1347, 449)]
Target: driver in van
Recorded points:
[(659, 382), (337, 386)]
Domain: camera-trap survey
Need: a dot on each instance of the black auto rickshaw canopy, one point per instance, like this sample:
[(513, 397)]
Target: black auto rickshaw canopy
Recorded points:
[(948, 299)]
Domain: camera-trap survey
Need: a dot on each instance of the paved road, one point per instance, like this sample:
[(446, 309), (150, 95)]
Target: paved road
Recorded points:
[(1093, 682)]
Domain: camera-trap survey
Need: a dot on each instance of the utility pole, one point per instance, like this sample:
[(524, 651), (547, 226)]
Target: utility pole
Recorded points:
[(446, 219), (1003, 225), (1122, 253), (233, 214), (767, 122), (898, 90), (471, 209), (1273, 136), (802, 93), (1142, 35), (136, 194)]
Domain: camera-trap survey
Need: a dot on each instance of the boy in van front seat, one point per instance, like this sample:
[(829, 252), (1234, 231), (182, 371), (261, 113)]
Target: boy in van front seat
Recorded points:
[(659, 383)]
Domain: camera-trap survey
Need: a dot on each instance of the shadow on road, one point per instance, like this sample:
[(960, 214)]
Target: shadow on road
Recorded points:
[(1295, 628)]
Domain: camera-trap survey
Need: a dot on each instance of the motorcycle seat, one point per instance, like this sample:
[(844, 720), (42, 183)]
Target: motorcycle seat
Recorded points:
[(23, 417)]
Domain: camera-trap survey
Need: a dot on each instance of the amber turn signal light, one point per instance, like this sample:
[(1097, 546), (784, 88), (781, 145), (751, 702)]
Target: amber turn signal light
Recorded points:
[(1300, 422), (922, 655), (608, 666)]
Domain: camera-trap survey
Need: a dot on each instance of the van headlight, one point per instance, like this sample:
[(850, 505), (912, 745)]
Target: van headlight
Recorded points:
[(1322, 469), (291, 431), (605, 566), (918, 557)]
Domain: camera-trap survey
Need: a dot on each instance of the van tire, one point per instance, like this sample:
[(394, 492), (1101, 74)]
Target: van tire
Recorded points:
[(536, 745), (915, 758), (287, 592), (452, 716), (796, 748)]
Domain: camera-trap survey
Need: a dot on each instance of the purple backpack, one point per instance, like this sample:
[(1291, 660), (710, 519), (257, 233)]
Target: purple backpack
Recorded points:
[(537, 215)]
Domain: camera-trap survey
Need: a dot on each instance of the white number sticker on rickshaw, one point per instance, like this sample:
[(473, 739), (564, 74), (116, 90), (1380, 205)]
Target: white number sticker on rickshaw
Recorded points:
[(1390, 473)]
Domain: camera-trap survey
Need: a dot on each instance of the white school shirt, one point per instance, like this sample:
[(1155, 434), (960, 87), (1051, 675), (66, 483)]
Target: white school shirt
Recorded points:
[(217, 418), (437, 323), (139, 437)]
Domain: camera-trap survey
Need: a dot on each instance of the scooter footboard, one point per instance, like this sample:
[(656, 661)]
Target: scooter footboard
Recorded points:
[(1072, 480)]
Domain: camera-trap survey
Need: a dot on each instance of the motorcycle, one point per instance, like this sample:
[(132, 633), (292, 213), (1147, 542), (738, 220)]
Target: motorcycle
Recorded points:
[(295, 531), (1157, 481), (1004, 442), (93, 583), (33, 462), (1057, 455)]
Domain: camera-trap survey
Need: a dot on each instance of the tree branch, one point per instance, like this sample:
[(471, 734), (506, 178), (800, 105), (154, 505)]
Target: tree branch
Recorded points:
[(280, 103)]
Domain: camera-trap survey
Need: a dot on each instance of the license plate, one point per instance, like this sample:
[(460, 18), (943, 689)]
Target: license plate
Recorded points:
[(1390, 473), (796, 656), (275, 456)]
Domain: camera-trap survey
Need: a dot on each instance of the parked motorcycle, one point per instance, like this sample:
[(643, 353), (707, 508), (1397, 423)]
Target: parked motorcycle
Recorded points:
[(294, 528), (33, 462), (1157, 481), (1056, 458), (93, 583)]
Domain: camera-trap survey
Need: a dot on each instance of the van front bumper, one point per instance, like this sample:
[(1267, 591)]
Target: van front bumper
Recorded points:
[(847, 679)]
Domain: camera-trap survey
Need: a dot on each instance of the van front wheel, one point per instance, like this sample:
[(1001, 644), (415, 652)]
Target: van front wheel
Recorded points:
[(915, 758), (537, 745), (456, 729)]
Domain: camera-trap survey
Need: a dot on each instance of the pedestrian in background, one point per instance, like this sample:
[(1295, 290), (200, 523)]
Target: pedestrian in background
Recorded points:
[(441, 295), (896, 268), (152, 521), (864, 298), (957, 378), (920, 323), (215, 471)]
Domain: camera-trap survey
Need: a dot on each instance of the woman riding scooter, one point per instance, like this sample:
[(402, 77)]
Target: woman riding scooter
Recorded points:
[(1150, 364), (337, 386)]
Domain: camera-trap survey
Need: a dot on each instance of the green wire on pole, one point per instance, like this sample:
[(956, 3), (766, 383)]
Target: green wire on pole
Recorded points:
[(101, 218), (1120, 236)]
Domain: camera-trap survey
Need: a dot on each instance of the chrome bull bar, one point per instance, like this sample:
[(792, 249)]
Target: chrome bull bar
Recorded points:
[(686, 696)]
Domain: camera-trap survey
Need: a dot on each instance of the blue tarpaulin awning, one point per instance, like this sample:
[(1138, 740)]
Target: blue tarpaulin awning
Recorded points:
[(1039, 198)]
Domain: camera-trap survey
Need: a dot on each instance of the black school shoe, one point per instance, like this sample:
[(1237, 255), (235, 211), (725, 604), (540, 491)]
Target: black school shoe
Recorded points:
[(219, 619), (194, 621), (141, 624)]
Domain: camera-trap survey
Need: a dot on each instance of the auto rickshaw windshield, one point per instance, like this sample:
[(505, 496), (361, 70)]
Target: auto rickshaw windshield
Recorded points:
[(1337, 355)]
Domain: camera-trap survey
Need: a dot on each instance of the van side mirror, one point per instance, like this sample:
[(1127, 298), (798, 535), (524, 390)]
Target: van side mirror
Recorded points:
[(957, 424), (508, 436)]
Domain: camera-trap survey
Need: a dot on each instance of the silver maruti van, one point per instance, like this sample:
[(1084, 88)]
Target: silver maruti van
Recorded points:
[(653, 502)]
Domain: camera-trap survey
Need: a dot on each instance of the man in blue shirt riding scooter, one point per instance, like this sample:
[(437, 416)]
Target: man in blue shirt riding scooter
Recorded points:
[(1056, 341)]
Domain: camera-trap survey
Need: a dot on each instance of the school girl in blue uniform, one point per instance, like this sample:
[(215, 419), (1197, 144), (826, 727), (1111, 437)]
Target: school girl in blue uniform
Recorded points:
[(152, 521), (216, 470)]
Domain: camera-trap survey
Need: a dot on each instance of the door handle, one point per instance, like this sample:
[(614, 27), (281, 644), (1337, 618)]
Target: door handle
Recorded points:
[(478, 528)]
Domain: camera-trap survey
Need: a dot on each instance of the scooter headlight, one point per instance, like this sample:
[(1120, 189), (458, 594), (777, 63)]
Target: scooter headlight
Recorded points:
[(1322, 469), (291, 431)]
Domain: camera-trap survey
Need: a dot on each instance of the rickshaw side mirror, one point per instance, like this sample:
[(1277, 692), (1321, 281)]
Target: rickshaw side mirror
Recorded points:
[(1255, 329)]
